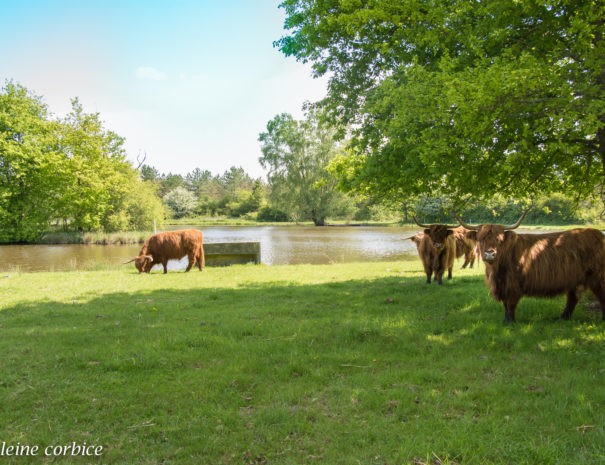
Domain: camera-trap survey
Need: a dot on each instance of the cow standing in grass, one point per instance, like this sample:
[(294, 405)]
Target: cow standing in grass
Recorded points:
[(171, 245), (541, 265), (443, 249), (426, 252)]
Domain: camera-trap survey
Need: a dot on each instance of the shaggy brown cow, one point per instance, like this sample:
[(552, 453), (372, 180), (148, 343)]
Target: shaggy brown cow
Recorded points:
[(426, 252), (171, 245), (465, 246), (541, 265), (444, 249)]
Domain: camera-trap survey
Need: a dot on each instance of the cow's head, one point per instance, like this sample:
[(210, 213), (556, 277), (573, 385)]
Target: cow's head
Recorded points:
[(438, 233), (491, 237), (416, 239), (143, 263)]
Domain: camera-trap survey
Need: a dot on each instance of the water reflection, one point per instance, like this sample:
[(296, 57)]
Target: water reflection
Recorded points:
[(279, 245)]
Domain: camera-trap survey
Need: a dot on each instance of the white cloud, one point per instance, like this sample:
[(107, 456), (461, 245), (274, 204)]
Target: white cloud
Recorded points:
[(149, 72)]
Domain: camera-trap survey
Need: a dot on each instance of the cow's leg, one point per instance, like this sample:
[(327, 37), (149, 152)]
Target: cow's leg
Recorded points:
[(439, 276), (449, 272), (191, 258), (201, 261), (509, 310), (471, 258), (165, 265), (429, 272), (572, 300)]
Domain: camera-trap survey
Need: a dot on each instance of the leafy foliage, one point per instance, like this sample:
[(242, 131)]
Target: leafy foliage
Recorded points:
[(31, 179), (70, 171), (296, 154), (469, 99), (181, 202)]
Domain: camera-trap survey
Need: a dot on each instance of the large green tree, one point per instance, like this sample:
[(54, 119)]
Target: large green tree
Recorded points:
[(466, 98), (70, 170), (31, 168), (296, 154), (97, 173)]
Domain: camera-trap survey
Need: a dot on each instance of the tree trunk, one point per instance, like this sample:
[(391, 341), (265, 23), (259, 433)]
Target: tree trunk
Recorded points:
[(319, 221)]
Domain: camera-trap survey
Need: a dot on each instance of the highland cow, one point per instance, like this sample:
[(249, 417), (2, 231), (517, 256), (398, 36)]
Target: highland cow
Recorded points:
[(426, 252), (444, 249), (541, 265), (171, 245)]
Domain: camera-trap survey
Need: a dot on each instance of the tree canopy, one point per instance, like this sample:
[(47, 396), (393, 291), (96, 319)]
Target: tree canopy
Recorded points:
[(463, 98), (71, 171)]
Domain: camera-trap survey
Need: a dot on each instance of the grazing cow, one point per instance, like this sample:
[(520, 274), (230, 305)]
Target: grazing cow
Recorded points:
[(541, 265), (444, 249), (171, 245), (426, 252)]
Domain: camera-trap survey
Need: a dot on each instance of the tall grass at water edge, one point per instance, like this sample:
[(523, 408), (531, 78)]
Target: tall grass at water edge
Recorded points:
[(100, 238), (332, 364)]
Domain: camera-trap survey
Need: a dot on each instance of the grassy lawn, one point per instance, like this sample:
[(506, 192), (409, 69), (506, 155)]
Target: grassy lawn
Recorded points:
[(334, 364)]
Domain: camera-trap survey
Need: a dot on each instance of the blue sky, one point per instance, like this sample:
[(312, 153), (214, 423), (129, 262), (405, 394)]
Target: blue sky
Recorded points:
[(189, 83)]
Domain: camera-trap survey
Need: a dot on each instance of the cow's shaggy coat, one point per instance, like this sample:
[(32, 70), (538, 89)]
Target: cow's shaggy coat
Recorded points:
[(436, 257), (171, 245), (542, 265)]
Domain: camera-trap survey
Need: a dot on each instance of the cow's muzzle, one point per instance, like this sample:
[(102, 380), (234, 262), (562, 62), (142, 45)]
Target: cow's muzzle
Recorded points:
[(489, 256)]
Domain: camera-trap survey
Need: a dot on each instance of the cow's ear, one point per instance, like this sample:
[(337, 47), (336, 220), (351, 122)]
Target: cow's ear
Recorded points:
[(508, 235), (471, 235), (427, 231)]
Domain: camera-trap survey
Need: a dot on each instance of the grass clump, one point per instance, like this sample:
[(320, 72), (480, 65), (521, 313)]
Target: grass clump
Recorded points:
[(333, 364)]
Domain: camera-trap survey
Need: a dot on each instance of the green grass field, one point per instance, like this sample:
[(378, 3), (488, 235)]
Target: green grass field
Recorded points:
[(334, 364)]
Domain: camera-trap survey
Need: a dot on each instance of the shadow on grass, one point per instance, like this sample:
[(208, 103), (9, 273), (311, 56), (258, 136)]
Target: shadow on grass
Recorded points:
[(388, 370)]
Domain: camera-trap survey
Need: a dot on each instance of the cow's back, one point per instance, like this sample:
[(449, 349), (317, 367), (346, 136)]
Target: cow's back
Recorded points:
[(174, 244), (549, 264)]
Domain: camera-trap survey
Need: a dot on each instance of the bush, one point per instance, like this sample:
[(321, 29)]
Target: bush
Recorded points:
[(272, 214)]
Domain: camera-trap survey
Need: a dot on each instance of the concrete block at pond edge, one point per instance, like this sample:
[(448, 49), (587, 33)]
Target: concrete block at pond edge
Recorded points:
[(231, 253)]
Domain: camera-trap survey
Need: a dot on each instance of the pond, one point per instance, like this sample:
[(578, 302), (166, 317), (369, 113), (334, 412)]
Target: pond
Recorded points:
[(279, 245)]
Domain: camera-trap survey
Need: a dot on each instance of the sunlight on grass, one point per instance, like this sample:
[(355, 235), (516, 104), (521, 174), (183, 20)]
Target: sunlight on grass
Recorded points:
[(348, 363)]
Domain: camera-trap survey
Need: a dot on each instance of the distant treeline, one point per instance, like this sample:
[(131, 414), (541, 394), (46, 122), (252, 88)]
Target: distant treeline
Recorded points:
[(235, 194)]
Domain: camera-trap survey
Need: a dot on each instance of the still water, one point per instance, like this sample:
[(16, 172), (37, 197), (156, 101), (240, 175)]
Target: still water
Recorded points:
[(279, 245)]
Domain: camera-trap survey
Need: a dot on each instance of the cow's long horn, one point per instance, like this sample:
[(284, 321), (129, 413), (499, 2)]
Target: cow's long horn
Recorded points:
[(467, 226), (129, 261), (428, 226), (518, 223), (420, 224)]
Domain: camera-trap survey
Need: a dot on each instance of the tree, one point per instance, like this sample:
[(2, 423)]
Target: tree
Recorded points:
[(96, 175), (196, 179), (142, 207), (149, 173), (69, 169), (468, 99), (296, 153), (181, 201), (31, 168), (169, 182)]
